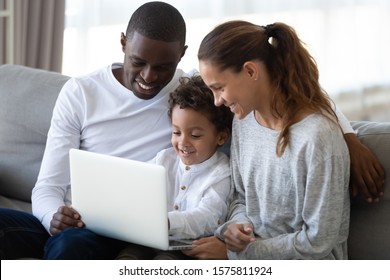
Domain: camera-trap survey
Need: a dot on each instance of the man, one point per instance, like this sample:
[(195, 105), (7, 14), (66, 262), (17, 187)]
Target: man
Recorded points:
[(120, 110)]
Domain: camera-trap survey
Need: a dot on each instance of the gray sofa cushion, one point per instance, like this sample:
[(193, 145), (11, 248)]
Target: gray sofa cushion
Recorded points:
[(369, 236), (27, 99)]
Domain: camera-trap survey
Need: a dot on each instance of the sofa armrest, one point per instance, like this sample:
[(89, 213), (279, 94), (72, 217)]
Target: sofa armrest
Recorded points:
[(27, 98), (369, 236)]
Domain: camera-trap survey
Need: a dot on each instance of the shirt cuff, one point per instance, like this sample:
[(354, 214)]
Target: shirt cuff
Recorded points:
[(175, 222)]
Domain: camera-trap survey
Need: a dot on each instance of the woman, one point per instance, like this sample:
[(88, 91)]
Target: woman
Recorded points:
[(290, 163)]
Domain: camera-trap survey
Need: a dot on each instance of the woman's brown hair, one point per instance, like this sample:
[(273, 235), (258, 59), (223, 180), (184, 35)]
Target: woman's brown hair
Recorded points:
[(292, 70)]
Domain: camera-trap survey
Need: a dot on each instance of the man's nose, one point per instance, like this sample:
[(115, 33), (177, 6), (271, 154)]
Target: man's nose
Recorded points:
[(148, 74)]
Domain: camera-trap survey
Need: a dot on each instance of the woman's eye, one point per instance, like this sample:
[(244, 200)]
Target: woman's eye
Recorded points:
[(176, 133), (218, 88)]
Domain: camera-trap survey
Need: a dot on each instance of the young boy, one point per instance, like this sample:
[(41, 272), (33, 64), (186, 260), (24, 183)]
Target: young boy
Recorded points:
[(198, 174)]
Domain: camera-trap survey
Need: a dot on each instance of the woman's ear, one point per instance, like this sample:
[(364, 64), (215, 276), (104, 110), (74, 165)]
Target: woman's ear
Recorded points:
[(252, 69)]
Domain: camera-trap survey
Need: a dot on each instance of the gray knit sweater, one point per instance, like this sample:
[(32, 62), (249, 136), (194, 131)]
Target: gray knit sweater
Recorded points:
[(298, 204)]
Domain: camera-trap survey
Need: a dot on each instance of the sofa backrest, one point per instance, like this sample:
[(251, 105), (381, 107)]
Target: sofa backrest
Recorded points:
[(369, 236), (27, 98)]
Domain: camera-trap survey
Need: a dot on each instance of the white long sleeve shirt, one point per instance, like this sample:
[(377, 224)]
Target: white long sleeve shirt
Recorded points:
[(197, 194), (97, 113)]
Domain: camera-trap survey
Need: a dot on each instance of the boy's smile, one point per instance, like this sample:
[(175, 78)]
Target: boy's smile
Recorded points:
[(194, 137)]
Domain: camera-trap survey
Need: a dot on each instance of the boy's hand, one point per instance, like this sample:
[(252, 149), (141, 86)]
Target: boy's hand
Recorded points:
[(208, 248)]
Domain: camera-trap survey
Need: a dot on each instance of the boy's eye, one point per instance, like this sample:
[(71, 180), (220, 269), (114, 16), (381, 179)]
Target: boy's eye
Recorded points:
[(176, 132), (196, 136)]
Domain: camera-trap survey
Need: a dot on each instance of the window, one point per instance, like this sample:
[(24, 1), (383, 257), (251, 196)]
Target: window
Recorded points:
[(349, 40)]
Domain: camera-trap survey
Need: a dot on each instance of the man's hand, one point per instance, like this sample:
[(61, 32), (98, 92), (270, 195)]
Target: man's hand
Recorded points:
[(238, 236), (65, 217), (367, 173), (208, 248)]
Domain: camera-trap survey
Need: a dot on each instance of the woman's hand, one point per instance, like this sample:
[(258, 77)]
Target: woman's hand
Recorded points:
[(367, 173), (238, 236), (65, 217)]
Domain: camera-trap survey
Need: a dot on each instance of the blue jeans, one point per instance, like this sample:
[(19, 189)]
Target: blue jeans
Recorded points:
[(23, 236), (82, 244)]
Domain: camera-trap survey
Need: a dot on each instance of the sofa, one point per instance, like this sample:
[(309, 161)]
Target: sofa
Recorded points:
[(27, 97)]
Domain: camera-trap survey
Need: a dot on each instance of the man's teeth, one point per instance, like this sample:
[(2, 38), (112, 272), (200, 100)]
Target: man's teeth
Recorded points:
[(144, 86)]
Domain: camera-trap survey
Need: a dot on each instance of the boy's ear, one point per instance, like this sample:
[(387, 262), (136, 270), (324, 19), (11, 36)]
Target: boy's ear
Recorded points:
[(222, 137)]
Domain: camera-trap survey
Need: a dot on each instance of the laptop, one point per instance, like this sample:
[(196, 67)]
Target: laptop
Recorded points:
[(122, 199)]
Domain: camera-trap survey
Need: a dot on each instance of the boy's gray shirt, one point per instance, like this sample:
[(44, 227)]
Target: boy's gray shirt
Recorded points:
[(298, 203)]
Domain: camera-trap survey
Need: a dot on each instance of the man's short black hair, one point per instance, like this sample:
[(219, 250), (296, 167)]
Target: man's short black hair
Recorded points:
[(158, 21)]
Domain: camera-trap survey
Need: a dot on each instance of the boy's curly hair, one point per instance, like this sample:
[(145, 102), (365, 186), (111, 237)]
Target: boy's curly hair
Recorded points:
[(195, 94)]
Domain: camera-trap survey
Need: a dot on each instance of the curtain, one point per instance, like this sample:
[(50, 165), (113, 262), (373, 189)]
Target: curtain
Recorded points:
[(37, 33)]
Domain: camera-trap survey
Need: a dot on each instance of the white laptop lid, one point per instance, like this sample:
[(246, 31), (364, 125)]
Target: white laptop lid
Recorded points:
[(120, 198)]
